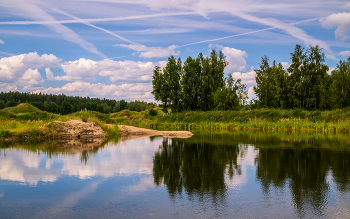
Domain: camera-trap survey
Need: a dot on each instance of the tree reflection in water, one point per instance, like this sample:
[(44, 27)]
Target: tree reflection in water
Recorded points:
[(197, 168), (306, 173), (306, 166)]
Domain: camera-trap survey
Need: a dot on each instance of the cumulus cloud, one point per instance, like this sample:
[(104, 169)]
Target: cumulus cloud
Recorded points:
[(1, 42), (235, 57), (151, 52), (247, 78), (251, 93), (13, 67), (344, 53), (123, 71), (5, 87), (82, 69), (49, 74), (285, 65), (117, 71), (347, 6), (33, 60), (339, 20), (125, 91), (31, 79)]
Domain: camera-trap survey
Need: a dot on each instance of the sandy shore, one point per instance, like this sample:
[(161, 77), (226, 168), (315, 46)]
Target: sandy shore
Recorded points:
[(126, 130)]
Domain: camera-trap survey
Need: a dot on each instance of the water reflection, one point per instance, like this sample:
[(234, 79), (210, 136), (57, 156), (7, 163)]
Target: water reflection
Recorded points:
[(228, 174), (48, 161), (306, 172), (199, 168)]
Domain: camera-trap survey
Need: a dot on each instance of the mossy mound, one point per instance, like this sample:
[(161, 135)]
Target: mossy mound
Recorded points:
[(26, 111)]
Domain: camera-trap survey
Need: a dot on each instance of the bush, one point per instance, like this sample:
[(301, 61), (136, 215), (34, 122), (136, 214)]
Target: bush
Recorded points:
[(153, 112), (84, 115), (11, 104)]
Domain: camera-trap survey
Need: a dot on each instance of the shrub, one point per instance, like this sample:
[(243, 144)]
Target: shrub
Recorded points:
[(84, 115), (153, 112)]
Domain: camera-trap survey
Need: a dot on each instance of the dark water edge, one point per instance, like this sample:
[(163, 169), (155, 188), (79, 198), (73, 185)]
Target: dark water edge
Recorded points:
[(210, 175)]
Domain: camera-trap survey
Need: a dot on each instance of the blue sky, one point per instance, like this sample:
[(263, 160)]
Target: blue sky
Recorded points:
[(108, 48)]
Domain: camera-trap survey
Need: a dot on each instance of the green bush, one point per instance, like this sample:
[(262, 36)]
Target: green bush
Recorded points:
[(153, 112)]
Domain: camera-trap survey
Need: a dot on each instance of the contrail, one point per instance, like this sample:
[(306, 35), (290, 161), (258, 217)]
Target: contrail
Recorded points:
[(94, 20), (100, 28), (255, 31)]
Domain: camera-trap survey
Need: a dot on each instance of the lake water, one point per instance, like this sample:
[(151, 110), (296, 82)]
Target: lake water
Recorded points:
[(210, 175)]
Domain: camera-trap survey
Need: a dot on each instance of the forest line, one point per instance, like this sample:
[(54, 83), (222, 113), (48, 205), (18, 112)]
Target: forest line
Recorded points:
[(199, 84)]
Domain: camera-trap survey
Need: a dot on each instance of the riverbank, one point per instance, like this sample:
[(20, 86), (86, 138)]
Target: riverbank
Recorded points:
[(335, 121), (28, 122)]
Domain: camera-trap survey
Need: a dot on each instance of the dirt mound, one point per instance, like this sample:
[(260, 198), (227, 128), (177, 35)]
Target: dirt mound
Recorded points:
[(75, 129), (131, 130)]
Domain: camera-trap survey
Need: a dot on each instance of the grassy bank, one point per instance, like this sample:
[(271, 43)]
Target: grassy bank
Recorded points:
[(28, 122), (261, 119)]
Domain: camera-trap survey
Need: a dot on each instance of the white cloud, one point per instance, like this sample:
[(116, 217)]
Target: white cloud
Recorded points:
[(123, 71), (49, 74), (13, 67), (151, 52), (251, 93), (139, 91), (285, 65), (5, 87), (344, 53), (341, 20), (1, 42), (330, 70), (247, 78), (235, 57), (118, 71), (347, 6), (33, 60), (31, 79), (82, 69)]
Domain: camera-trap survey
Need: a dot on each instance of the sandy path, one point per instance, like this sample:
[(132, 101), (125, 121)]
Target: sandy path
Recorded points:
[(131, 130)]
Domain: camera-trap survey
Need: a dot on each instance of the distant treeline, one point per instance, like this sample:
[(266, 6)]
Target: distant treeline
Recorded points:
[(199, 84), (68, 104)]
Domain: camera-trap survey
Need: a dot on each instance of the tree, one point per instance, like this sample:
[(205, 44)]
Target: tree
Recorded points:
[(167, 86), (66, 108), (2, 104), (11, 103), (38, 105), (266, 88), (191, 84), (340, 90), (53, 108)]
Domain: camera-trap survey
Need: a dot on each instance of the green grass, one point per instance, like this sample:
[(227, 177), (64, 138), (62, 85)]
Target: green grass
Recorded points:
[(26, 121), (261, 119)]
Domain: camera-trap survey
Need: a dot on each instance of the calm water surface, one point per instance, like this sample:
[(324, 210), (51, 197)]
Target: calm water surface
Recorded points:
[(210, 175)]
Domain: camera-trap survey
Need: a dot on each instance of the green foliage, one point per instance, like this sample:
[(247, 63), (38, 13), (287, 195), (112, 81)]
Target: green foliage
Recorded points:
[(305, 84), (137, 106), (153, 112), (53, 108), (232, 96), (191, 86), (11, 103), (66, 108), (2, 104), (38, 105), (84, 115)]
